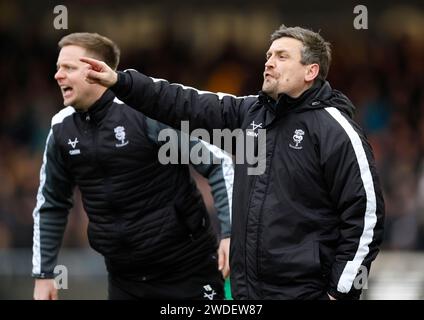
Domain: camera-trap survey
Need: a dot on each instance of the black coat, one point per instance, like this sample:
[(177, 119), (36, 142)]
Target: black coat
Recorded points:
[(147, 219), (313, 219)]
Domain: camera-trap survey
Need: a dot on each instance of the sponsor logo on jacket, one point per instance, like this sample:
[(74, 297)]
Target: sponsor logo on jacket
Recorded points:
[(208, 293), (251, 132), (73, 144)]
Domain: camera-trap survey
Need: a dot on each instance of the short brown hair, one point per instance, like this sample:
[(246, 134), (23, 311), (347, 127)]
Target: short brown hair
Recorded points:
[(99, 46), (315, 48)]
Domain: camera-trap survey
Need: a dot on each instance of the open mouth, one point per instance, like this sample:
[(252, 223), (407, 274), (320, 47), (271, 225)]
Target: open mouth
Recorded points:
[(66, 91)]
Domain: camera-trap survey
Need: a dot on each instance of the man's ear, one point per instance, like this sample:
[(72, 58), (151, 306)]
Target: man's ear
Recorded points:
[(312, 72)]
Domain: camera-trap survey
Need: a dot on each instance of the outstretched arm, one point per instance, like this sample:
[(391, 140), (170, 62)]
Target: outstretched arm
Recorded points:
[(171, 103)]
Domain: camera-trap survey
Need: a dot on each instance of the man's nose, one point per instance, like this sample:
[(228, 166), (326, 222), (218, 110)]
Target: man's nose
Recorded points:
[(59, 75), (269, 63)]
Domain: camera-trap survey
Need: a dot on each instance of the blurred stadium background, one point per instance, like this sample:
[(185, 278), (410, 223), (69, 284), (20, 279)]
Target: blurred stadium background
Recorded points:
[(215, 45)]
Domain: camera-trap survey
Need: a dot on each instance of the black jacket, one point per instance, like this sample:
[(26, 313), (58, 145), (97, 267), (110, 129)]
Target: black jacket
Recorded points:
[(313, 219), (146, 218)]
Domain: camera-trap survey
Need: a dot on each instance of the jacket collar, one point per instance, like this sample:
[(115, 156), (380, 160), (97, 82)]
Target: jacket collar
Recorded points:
[(319, 96), (310, 99), (97, 112)]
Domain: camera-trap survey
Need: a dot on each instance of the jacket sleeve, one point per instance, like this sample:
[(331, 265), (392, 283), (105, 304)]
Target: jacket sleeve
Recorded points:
[(172, 103), (54, 199), (350, 173), (210, 161), (217, 166)]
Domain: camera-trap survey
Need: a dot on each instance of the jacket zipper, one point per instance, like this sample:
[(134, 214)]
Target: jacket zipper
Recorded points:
[(260, 214), (245, 235)]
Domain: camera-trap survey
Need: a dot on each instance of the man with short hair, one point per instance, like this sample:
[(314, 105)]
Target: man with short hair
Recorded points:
[(146, 218), (310, 225)]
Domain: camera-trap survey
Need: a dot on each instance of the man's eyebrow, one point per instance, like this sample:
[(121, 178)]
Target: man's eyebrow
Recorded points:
[(277, 51), (66, 64)]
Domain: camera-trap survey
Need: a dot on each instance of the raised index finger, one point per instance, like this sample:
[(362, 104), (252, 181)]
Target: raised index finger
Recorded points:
[(95, 64)]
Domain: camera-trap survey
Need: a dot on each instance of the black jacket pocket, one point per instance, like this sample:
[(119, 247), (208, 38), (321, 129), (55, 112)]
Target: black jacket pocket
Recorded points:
[(291, 264)]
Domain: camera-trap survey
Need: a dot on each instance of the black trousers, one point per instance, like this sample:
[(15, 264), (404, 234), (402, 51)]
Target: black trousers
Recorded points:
[(204, 283)]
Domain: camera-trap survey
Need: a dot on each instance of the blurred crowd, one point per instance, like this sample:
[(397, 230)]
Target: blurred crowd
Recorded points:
[(383, 78)]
